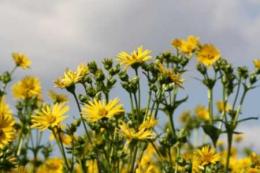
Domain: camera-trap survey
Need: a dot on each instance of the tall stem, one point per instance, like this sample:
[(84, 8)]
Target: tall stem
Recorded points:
[(81, 117), (210, 104)]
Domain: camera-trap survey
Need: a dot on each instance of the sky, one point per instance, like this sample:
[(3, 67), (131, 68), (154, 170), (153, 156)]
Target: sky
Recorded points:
[(63, 33)]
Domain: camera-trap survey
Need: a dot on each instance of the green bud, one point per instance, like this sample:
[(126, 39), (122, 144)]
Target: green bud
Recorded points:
[(92, 67), (88, 79), (243, 72), (108, 63), (252, 79), (91, 92), (6, 77), (166, 56), (83, 98), (209, 83), (111, 82), (123, 76), (100, 76), (202, 69), (184, 61)]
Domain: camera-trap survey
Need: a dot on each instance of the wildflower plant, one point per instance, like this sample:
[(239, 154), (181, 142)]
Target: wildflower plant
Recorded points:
[(110, 134)]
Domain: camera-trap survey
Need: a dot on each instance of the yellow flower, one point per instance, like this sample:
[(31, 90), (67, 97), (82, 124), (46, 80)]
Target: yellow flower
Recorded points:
[(220, 106), (58, 98), (206, 155), (257, 63), (52, 165), (187, 46), (208, 54), (96, 110), (19, 169), (82, 70), (137, 57), (172, 77), (144, 131), (68, 79), (21, 60), (148, 123), (92, 166), (71, 78), (238, 138), (202, 113), (185, 117), (177, 43), (28, 87), (7, 131), (49, 116)]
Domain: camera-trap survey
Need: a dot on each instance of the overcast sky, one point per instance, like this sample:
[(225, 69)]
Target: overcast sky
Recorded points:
[(63, 33)]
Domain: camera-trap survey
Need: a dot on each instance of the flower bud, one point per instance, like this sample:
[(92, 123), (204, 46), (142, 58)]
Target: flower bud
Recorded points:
[(202, 69), (108, 63)]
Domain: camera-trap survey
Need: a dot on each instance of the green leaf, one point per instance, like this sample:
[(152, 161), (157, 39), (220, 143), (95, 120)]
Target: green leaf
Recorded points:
[(212, 132)]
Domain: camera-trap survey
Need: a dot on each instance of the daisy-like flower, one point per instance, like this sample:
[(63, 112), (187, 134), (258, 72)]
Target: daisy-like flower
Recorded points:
[(71, 78), (257, 63), (96, 110), (68, 79), (170, 75), (137, 57), (202, 113), (21, 60), (144, 131), (52, 165), (7, 131), (57, 98), (223, 108), (49, 116), (208, 54), (206, 155), (187, 46), (26, 88)]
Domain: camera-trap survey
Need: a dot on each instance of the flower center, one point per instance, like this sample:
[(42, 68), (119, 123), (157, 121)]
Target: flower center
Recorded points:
[(102, 112), (52, 119)]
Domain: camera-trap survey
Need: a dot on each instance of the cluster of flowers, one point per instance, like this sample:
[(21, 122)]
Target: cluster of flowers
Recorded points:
[(107, 137)]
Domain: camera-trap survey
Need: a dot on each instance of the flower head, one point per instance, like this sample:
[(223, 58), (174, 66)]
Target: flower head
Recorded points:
[(187, 46), (7, 131), (26, 88), (170, 75), (206, 155), (144, 131), (96, 110), (223, 107), (71, 78), (21, 60), (57, 98), (202, 113), (257, 63), (49, 116), (52, 165), (137, 57), (208, 54)]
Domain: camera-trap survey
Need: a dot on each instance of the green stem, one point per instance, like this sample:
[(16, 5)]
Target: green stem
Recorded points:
[(11, 73), (133, 160), (172, 124), (139, 89), (61, 147), (228, 151), (237, 93), (81, 117), (210, 104)]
